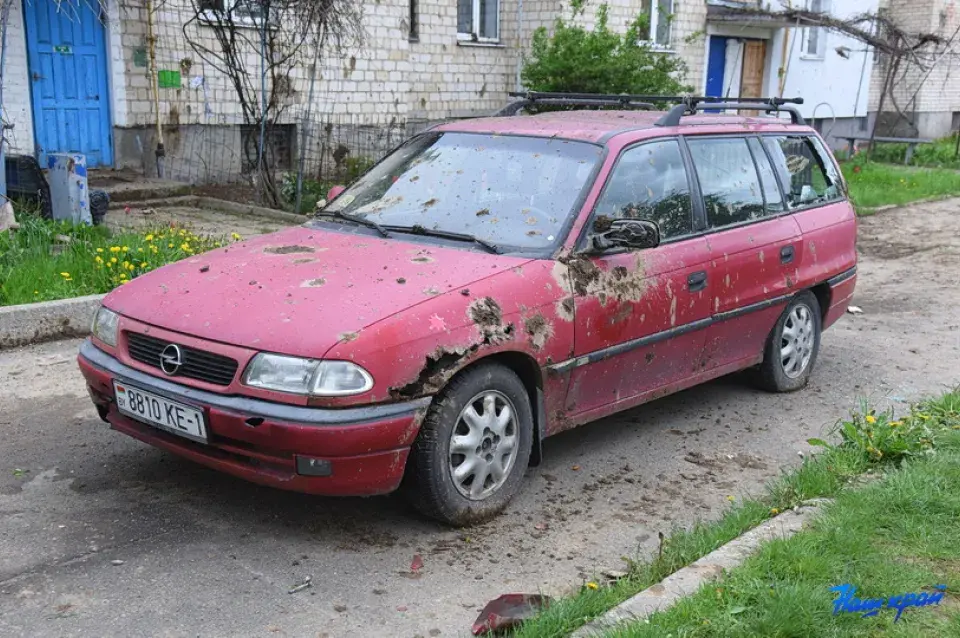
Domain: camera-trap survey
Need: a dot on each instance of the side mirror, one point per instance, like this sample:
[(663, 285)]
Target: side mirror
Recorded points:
[(626, 233), (334, 192)]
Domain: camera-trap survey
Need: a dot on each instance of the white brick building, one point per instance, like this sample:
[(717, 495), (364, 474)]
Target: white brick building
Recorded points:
[(926, 101), (422, 60)]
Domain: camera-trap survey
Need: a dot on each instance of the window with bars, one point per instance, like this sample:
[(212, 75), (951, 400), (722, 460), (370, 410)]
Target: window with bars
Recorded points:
[(478, 20)]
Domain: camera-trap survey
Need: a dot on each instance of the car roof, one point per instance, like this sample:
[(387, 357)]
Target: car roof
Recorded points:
[(599, 126)]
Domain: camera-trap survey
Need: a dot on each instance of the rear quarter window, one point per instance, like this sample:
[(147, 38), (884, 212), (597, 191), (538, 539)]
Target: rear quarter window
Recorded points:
[(808, 175)]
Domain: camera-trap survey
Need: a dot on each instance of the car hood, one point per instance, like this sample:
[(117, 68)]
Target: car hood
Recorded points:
[(301, 290)]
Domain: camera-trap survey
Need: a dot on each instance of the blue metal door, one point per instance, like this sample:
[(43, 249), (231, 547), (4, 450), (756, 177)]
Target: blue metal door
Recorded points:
[(716, 61), (67, 60)]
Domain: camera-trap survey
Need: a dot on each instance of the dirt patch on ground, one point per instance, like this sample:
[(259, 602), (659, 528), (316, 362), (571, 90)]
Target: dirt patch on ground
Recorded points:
[(902, 232), (240, 193)]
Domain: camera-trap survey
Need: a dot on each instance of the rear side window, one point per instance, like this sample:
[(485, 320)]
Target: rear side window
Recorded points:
[(728, 180), (808, 177), (649, 182), (771, 191)]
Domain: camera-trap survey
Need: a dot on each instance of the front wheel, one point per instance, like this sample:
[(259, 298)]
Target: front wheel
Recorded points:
[(792, 347), (474, 446)]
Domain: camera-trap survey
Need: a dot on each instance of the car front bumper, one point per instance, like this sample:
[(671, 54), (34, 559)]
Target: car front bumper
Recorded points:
[(344, 452)]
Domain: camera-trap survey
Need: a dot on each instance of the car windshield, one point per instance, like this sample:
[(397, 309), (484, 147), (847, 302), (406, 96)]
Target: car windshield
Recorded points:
[(506, 190)]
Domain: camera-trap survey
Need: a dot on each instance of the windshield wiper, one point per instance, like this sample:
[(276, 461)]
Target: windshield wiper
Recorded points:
[(356, 220), (417, 229)]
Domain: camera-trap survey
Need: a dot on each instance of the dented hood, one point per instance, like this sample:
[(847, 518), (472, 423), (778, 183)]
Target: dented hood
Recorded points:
[(299, 291)]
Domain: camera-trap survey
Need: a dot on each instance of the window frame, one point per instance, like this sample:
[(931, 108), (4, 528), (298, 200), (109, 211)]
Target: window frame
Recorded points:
[(820, 32), (475, 21), (756, 169), (240, 19), (697, 216), (784, 190), (651, 39)]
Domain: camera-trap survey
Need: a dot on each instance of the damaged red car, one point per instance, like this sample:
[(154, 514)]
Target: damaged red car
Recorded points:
[(490, 283)]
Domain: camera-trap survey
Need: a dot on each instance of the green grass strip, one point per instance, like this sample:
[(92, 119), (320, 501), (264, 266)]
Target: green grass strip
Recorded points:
[(870, 444)]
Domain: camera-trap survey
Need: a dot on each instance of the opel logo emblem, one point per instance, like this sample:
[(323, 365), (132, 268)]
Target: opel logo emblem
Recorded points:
[(171, 359)]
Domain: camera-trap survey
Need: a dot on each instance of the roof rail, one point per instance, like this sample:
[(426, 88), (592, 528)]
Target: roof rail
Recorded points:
[(691, 105), (531, 98)]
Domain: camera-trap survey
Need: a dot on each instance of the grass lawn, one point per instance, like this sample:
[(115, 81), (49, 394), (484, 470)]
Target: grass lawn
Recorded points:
[(873, 184), (46, 260), (940, 154), (898, 535)]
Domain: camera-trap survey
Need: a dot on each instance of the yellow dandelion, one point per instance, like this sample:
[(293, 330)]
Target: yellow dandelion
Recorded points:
[(143, 264), (169, 245), (113, 260), (130, 266), (592, 585), (894, 424), (126, 248), (154, 249), (140, 249), (235, 237), (36, 292), (149, 237), (774, 511), (114, 249), (184, 246), (99, 250), (123, 275), (98, 259), (870, 419), (731, 498), (65, 275)]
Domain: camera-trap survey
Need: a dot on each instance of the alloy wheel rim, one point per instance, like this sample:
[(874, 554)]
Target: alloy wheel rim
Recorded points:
[(796, 341), (483, 445)]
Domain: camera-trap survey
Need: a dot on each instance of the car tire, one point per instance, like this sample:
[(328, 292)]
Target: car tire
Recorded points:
[(792, 347), (492, 449)]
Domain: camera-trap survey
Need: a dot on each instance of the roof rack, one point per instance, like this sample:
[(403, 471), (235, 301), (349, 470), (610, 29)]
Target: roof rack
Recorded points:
[(531, 98), (691, 105)]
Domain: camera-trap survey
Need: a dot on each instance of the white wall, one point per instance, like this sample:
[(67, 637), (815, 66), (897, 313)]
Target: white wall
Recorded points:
[(16, 89), (829, 85)]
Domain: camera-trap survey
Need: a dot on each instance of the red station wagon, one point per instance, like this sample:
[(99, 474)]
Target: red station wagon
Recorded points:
[(490, 283)]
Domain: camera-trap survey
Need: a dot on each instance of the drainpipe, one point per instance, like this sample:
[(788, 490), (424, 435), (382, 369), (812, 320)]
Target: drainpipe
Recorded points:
[(4, 20), (154, 85), (519, 86), (784, 60)]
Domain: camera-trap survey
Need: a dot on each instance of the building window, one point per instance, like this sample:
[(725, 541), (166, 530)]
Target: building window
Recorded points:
[(814, 38), (242, 12), (478, 20), (414, 34), (660, 21)]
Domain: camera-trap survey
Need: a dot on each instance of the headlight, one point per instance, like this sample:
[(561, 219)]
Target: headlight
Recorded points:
[(306, 376), (105, 326)]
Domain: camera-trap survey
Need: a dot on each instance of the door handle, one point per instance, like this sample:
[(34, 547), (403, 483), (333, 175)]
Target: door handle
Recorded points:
[(697, 281), (37, 77), (786, 254)]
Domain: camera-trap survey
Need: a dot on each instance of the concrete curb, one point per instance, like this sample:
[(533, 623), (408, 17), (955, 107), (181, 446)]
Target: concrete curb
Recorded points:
[(688, 580), (47, 320), (212, 203)]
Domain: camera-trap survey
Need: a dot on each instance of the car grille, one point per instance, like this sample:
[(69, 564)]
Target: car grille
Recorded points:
[(197, 364)]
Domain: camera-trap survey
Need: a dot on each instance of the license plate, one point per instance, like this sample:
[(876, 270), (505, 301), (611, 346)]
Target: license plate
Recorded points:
[(160, 412)]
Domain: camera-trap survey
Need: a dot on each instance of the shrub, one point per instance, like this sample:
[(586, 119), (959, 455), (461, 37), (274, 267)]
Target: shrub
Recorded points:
[(576, 60)]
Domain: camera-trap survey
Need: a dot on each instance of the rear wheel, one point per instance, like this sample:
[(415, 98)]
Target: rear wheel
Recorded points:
[(792, 347), (473, 448)]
